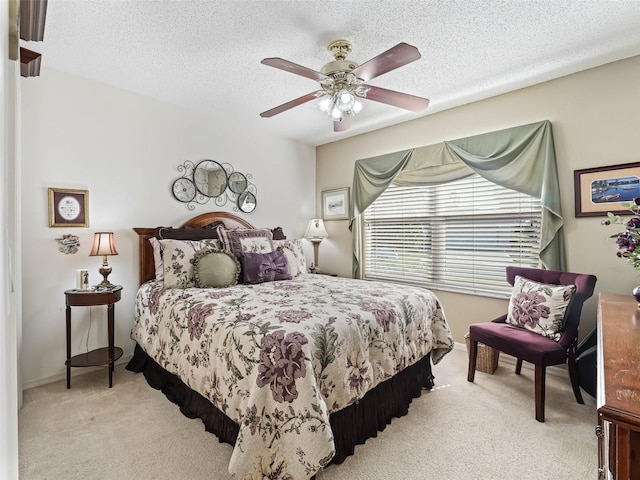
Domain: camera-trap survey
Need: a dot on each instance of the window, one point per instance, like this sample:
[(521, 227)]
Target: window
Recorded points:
[(458, 236)]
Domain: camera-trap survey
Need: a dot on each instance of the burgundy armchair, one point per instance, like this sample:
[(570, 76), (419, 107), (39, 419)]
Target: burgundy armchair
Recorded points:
[(536, 349)]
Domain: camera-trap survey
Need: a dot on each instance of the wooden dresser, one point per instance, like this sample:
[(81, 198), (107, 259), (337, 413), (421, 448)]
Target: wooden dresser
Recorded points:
[(618, 387)]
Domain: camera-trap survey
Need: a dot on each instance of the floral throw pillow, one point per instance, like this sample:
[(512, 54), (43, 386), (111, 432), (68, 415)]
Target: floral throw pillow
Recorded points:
[(295, 254), (178, 257), (252, 240), (539, 307)]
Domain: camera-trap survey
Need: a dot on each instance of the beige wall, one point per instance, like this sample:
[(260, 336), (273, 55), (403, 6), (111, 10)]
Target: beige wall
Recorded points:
[(596, 121)]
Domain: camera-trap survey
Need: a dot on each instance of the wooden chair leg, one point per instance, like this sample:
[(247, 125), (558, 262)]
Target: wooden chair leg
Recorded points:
[(540, 385), (518, 366), (473, 358), (573, 376)]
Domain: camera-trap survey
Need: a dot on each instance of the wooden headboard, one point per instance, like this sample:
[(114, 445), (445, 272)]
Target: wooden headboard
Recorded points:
[(146, 268)]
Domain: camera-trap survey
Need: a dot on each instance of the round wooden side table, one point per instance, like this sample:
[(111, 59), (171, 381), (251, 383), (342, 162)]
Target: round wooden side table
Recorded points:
[(100, 356)]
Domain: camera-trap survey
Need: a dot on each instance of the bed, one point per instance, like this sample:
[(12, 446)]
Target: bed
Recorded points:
[(294, 373)]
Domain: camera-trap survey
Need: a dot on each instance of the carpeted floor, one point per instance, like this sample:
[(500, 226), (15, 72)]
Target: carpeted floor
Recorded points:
[(462, 431)]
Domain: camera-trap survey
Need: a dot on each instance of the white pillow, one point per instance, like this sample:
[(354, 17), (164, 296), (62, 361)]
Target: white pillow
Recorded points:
[(295, 255), (178, 257), (539, 307), (157, 258)]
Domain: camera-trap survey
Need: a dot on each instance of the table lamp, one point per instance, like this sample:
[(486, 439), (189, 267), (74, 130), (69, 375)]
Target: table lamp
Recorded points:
[(315, 233), (104, 244)]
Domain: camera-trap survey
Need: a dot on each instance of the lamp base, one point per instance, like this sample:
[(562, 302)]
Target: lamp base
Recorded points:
[(105, 270), (316, 245)]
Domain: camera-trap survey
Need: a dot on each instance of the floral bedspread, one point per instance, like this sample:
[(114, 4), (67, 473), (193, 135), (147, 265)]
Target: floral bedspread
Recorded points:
[(279, 357)]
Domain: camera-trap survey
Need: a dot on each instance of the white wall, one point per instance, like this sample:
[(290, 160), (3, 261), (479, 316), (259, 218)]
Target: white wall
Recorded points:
[(9, 331), (124, 149), (595, 116)]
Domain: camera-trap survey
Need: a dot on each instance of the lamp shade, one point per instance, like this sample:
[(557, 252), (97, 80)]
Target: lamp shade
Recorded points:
[(103, 244), (315, 230)]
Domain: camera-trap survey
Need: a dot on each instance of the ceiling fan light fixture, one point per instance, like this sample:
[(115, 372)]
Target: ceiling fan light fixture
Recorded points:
[(324, 103), (345, 100), (346, 97), (357, 106), (343, 83), (336, 114), (339, 103)]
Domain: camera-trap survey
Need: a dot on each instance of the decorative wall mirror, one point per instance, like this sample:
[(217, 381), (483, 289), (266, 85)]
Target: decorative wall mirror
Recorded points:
[(237, 182), (247, 202), (208, 180)]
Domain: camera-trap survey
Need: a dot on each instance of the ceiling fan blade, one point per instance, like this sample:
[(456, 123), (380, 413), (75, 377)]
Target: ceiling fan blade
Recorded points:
[(291, 67), (286, 106), (397, 99), (342, 125), (395, 57)]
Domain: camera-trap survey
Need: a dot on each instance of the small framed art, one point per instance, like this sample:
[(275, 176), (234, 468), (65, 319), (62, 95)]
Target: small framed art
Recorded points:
[(605, 189), (335, 204), (68, 208)]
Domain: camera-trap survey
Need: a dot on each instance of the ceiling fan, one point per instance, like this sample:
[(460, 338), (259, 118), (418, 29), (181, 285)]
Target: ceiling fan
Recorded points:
[(342, 83)]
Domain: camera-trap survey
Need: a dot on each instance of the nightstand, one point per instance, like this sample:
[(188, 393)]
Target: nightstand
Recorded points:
[(100, 356)]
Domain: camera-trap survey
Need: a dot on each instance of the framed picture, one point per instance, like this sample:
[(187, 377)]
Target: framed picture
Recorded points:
[(606, 189), (335, 204), (68, 208)]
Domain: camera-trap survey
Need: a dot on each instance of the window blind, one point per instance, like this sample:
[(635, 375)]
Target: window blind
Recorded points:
[(458, 236)]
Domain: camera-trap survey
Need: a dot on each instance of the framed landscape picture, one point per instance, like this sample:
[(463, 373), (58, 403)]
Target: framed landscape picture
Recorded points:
[(606, 189), (335, 204)]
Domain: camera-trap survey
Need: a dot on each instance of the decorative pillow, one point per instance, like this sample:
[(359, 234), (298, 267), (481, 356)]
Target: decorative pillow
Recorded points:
[(264, 267), (157, 258), (295, 254), (278, 234), (252, 240), (215, 269), (539, 307), (292, 261), (187, 233), (178, 257)]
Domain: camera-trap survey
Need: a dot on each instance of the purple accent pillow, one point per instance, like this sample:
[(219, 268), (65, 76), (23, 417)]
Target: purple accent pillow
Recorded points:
[(251, 240), (264, 267)]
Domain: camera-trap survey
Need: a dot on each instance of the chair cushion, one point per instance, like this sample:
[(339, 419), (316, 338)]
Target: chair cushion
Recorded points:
[(539, 307), (519, 343)]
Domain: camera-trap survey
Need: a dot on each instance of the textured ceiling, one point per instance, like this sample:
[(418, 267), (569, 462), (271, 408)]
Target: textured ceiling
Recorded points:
[(206, 54)]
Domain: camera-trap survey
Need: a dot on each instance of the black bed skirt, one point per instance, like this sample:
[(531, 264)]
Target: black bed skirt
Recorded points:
[(351, 426)]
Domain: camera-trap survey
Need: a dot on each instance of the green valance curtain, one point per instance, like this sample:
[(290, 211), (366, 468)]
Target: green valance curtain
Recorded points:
[(521, 158)]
